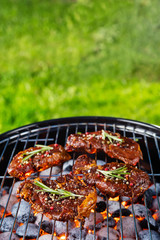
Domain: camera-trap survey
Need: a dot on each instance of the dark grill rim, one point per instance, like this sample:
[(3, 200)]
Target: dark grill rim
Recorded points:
[(23, 130)]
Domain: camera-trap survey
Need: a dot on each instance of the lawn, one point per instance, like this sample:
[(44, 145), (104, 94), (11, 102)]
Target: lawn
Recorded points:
[(76, 58)]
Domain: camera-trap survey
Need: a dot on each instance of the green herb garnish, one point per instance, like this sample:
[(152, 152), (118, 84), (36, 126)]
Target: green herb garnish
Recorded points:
[(79, 133), (43, 148), (116, 173), (110, 137), (63, 193)]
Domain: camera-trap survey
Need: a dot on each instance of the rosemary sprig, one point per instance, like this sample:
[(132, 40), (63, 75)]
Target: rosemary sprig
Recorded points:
[(110, 137), (43, 148), (63, 193), (115, 173)]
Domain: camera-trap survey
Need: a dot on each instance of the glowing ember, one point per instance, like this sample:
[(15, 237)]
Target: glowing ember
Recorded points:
[(77, 223), (117, 219), (62, 237), (155, 216), (124, 203), (114, 199), (140, 218)]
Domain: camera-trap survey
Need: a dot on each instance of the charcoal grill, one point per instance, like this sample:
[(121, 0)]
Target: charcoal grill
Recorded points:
[(57, 131)]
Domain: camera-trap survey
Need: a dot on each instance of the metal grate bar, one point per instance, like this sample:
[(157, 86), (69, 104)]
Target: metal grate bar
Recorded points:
[(121, 224), (12, 153), (33, 140), (45, 143), (158, 151), (4, 149), (25, 146), (149, 158), (134, 217)]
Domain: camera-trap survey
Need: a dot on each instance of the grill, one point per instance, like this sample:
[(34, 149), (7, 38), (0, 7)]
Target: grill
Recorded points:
[(57, 131)]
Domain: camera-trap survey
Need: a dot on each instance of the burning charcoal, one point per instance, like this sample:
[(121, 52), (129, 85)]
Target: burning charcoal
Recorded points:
[(1, 211), (89, 222), (102, 234), (7, 224), (146, 235), (100, 162), (113, 206), (152, 222), (129, 200), (111, 223), (12, 200), (68, 169), (67, 166), (149, 198), (66, 172), (125, 199), (47, 237), (38, 218), (76, 233), (155, 189), (124, 211), (155, 204), (32, 230), (23, 212), (101, 195), (55, 170), (156, 216), (61, 227), (129, 227), (6, 236), (15, 187), (140, 210), (100, 199), (47, 226), (4, 191), (100, 206), (91, 237), (129, 238)]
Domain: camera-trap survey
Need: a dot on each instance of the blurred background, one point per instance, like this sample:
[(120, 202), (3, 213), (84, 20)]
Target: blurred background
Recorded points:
[(63, 58)]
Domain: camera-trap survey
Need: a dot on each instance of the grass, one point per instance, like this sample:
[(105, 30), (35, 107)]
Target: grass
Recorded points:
[(76, 58)]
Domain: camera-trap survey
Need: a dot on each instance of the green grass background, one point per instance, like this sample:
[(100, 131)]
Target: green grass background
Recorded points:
[(76, 58)]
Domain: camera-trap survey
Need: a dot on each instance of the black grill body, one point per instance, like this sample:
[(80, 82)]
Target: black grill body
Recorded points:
[(57, 131)]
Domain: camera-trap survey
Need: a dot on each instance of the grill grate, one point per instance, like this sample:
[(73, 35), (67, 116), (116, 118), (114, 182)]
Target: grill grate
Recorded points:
[(57, 131)]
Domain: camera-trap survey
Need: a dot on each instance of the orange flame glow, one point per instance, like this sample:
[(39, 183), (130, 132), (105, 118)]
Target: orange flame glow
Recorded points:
[(77, 223), (62, 237), (124, 203), (114, 199)]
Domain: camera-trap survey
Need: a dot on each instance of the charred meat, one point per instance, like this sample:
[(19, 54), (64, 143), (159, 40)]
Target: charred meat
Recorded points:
[(36, 159), (113, 144), (66, 198), (113, 179)]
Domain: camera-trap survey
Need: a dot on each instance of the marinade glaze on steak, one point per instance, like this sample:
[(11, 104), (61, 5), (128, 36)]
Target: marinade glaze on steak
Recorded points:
[(65, 209), (126, 150), (82, 164), (38, 162), (135, 181)]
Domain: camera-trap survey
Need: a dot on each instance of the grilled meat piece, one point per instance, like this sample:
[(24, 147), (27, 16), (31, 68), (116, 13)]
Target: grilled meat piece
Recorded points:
[(21, 168), (68, 208), (134, 183), (113, 144), (82, 164)]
